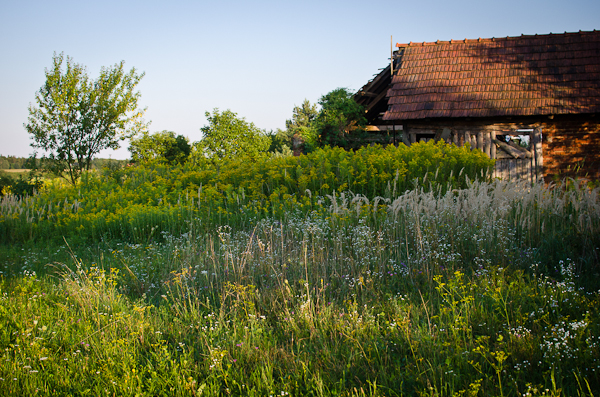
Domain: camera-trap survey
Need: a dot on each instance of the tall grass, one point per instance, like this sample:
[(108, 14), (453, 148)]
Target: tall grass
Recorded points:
[(137, 204), (487, 290)]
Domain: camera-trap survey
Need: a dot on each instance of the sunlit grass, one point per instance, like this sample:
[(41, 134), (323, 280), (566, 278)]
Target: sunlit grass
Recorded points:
[(488, 290)]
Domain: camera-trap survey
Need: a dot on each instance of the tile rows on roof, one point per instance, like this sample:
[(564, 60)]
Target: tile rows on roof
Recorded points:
[(461, 78), (575, 58), (568, 38), (480, 111), (546, 74), (535, 98)]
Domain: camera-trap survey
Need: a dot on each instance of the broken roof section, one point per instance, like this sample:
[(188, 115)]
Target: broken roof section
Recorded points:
[(512, 76), (373, 95)]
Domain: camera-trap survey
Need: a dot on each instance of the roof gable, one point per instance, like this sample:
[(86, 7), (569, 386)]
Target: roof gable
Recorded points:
[(512, 76)]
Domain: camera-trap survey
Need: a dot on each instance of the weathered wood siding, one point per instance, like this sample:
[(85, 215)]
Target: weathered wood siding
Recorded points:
[(481, 136), (512, 169), (562, 146)]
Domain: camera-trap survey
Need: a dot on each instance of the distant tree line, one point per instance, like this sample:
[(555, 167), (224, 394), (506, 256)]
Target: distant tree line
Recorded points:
[(28, 163), (13, 163)]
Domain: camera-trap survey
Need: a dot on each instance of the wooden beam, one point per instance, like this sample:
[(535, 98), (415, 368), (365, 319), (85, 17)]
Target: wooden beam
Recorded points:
[(367, 93), (384, 128), (376, 100), (528, 154), (487, 143), (515, 153)]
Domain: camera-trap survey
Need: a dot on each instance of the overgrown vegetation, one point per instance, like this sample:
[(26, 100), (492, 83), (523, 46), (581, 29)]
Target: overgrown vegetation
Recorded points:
[(21, 186), (138, 203), (211, 283)]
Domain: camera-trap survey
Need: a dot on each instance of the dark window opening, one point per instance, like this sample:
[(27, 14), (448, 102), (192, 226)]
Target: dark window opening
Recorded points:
[(424, 137)]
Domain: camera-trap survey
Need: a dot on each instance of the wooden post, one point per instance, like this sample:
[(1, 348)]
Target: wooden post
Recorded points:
[(538, 155), (480, 140), (512, 168), (392, 57), (487, 143), (406, 135), (492, 145), (468, 139)]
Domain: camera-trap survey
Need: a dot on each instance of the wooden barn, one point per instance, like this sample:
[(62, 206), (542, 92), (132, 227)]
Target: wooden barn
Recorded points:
[(530, 102)]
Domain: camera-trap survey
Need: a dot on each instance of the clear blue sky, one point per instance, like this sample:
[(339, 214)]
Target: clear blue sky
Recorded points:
[(257, 58)]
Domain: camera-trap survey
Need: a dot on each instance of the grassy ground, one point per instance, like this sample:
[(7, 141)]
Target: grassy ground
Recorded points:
[(487, 291)]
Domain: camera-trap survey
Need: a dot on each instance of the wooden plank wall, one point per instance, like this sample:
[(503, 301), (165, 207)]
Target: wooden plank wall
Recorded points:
[(482, 139), (512, 169), (565, 145)]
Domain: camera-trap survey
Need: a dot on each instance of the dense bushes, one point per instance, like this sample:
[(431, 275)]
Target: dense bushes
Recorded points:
[(370, 171), (142, 201), (21, 186)]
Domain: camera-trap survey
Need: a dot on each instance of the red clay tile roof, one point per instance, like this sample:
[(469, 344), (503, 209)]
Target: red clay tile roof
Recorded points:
[(511, 76)]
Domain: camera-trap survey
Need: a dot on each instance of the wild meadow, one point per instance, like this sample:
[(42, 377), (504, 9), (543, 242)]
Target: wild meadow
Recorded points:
[(380, 272)]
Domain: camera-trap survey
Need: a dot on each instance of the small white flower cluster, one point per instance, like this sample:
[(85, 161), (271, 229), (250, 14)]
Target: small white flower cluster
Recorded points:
[(568, 272), (558, 343), (520, 332)]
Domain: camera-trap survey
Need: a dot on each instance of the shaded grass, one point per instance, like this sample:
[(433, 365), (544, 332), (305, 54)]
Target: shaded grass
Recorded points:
[(498, 327)]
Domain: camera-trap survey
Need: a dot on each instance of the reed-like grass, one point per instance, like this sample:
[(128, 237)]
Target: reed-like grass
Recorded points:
[(487, 290)]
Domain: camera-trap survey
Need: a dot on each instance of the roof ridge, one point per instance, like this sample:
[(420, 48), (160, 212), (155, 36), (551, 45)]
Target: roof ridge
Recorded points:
[(495, 39)]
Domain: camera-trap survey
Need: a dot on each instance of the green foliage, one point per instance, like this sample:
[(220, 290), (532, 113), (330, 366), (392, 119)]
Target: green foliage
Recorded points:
[(5, 182), (74, 117), (341, 120), (280, 143), (99, 164), (227, 136), (21, 186), (13, 162), (301, 128), (142, 201), (437, 296), (162, 146)]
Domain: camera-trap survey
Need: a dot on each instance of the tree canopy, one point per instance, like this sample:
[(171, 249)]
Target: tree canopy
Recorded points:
[(75, 117), (301, 128), (162, 146), (227, 136), (340, 120)]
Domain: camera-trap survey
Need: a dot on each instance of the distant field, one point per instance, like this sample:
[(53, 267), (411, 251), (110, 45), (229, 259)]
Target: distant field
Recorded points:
[(17, 170)]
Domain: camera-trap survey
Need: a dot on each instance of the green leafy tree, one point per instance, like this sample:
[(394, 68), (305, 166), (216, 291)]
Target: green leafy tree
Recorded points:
[(227, 136), (281, 142), (162, 146), (341, 121), (302, 129), (75, 117)]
